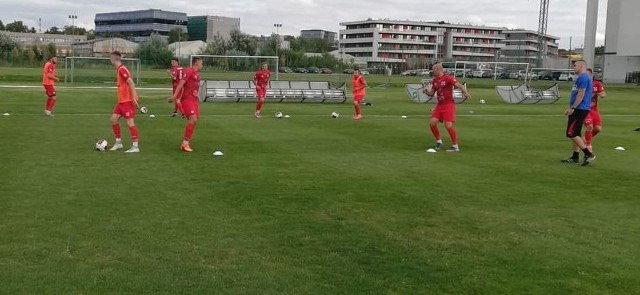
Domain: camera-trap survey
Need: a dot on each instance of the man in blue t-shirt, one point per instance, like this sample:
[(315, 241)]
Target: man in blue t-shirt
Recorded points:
[(579, 107)]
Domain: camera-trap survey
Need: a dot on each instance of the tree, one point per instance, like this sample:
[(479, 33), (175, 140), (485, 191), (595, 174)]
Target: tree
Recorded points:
[(91, 34), (74, 30), (32, 30), (53, 30), (6, 43), (218, 46), (154, 52), (1, 26), (242, 42), (50, 51), (17, 26), (177, 35)]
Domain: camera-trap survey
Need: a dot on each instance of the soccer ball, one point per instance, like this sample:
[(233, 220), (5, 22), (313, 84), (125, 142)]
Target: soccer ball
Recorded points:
[(101, 145), (335, 115), (482, 101), (278, 115)]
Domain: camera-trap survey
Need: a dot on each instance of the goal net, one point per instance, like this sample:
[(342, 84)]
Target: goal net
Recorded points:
[(96, 69), (227, 67)]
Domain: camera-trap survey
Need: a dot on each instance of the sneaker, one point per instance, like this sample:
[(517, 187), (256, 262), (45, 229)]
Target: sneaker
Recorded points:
[(257, 115), (438, 146), (357, 117), (185, 147), (116, 146), (570, 160), (48, 113), (174, 114), (588, 160), (133, 149), (453, 149)]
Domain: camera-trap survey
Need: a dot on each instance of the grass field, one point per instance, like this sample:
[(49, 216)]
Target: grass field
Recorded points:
[(314, 205)]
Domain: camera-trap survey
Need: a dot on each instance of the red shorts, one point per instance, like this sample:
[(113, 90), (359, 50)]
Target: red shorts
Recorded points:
[(125, 109), (50, 90), (190, 107), (261, 92), (445, 112), (593, 118), (358, 97)]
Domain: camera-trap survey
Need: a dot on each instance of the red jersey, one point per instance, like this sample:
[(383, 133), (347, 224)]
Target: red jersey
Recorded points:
[(176, 75), (191, 88), (49, 68), (124, 91), (358, 85), (443, 86), (597, 88), (261, 78)]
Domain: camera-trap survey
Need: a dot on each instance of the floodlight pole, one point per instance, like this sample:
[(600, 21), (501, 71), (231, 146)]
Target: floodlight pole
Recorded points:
[(277, 26), (73, 18)]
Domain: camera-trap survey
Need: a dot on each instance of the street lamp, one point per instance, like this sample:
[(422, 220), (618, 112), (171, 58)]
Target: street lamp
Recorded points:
[(73, 18), (277, 26)]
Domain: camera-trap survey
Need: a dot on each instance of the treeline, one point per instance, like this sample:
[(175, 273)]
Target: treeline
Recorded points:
[(155, 53), (12, 54)]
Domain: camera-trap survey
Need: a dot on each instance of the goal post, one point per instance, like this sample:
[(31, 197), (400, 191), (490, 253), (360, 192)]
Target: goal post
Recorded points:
[(94, 69), (233, 63)]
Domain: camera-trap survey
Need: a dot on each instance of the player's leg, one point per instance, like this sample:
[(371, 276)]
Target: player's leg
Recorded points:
[(176, 106), (51, 100), (578, 117), (357, 107), (192, 113), (449, 116), (597, 124), (588, 133), (133, 130), (260, 93), (436, 116), (115, 126)]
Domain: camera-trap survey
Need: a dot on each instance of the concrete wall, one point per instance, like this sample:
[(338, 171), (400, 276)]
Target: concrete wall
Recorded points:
[(616, 67)]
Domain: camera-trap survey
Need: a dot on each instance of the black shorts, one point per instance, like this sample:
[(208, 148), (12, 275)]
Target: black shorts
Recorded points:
[(576, 120)]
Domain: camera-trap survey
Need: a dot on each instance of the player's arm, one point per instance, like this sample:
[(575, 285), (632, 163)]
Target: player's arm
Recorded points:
[(463, 89), (601, 93), (364, 82), (429, 91), (52, 75), (134, 93), (176, 94)]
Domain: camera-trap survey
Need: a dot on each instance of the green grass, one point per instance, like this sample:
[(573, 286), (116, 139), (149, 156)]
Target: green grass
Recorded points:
[(314, 205)]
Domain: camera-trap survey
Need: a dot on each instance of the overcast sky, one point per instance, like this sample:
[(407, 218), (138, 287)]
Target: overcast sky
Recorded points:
[(566, 17)]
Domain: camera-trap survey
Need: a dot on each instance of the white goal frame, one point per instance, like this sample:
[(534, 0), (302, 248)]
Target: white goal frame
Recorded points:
[(277, 59), (69, 66)]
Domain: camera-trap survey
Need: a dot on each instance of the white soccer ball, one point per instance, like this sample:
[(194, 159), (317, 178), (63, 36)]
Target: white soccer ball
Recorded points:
[(101, 145), (144, 110), (278, 115), (482, 101), (335, 115)]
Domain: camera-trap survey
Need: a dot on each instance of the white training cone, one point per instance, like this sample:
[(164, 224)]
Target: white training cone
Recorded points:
[(404, 117), (152, 116), (620, 148), (431, 151), (218, 153)]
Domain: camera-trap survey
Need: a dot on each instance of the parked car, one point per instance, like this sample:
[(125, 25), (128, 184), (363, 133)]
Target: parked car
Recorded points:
[(301, 70), (566, 76), (545, 75), (423, 72), (409, 73), (503, 75), (286, 70), (477, 74), (326, 71), (313, 70), (487, 74), (348, 71), (514, 75)]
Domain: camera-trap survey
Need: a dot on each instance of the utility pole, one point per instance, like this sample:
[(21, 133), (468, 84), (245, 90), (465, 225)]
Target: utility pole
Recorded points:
[(543, 20), (277, 26)]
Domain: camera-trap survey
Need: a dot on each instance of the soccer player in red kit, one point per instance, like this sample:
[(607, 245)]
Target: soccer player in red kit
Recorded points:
[(593, 122), (445, 110), (176, 73), (49, 79), (126, 106), (186, 95), (261, 80), (359, 86)]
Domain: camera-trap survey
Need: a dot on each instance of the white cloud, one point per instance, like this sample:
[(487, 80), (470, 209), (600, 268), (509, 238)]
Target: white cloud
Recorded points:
[(566, 18)]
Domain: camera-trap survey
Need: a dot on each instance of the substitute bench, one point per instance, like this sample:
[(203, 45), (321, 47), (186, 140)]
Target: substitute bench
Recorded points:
[(278, 91)]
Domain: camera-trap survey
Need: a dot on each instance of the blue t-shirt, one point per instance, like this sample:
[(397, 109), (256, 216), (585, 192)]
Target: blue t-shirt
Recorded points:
[(583, 81)]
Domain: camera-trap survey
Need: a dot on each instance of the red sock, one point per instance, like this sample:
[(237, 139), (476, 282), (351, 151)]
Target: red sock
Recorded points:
[(259, 104), (175, 107), (116, 130), (188, 131), (588, 137), (134, 133), (454, 136), (435, 131), (357, 109), (48, 105), (52, 104)]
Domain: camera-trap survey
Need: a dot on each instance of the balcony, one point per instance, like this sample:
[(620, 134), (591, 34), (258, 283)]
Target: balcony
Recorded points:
[(356, 40), (358, 31)]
